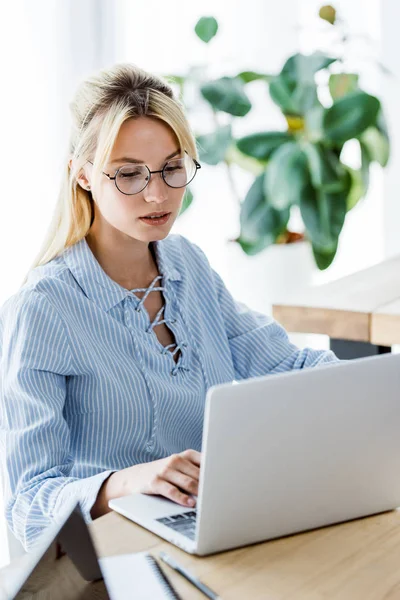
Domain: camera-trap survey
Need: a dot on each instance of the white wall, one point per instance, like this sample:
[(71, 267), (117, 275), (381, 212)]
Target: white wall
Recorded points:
[(390, 18), (46, 48)]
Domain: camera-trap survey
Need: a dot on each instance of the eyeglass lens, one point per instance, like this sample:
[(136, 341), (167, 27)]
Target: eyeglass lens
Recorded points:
[(177, 173)]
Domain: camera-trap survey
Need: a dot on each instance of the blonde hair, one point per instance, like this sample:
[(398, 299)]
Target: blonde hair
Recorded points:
[(102, 103)]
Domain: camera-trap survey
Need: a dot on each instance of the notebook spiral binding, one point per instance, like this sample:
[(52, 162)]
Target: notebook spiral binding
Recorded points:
[(162, 578)]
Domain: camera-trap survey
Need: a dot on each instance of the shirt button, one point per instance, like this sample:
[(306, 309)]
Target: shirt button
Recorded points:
[(184, 345), (173, 321), (174, 373)]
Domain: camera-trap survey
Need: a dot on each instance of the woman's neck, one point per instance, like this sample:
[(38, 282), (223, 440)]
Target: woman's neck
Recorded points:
[(130, 263)]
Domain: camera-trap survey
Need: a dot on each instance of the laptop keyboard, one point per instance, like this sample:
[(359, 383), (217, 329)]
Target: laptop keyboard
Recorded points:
[(184, 523)]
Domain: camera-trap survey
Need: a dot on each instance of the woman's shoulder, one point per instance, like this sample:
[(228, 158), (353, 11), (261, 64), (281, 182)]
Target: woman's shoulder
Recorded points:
[(42, 283), (53, 272), (32, 325), (180, 251)]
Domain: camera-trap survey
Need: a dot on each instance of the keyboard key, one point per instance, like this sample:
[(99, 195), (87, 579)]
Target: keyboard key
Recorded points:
[(183, 523), (164, 520)]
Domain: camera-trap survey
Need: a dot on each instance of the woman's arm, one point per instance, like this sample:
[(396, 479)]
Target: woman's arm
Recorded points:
[(35, 361), (175, 477), (258, 344)]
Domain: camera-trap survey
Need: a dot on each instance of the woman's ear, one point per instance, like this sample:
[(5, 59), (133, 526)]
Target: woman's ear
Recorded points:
[(81, 177)]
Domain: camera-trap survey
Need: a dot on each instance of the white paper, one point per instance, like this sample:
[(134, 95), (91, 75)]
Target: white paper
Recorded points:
[(131, 576)]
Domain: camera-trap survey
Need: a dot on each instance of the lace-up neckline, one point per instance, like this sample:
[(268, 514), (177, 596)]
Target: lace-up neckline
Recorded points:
[(159, 320)]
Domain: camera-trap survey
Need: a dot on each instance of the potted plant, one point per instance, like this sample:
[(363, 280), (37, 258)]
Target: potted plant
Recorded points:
[(301, 167)]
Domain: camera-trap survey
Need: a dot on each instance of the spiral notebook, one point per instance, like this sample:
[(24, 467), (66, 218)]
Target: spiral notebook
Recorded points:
[(136, 576)]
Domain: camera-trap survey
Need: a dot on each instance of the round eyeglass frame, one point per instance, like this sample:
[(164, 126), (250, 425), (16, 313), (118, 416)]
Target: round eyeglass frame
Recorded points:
[(114, 178)]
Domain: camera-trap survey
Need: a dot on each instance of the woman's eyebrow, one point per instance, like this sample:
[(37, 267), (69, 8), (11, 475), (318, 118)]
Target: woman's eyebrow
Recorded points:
[(137, 160)]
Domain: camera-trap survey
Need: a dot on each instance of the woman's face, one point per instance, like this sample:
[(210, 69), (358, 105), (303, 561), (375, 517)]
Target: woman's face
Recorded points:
[(150, 142)]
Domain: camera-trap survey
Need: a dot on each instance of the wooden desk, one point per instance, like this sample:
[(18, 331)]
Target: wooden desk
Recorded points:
[(360, 312), (358, 560)]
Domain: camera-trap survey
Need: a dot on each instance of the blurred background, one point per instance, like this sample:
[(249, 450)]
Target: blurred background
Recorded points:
[(212, 52)]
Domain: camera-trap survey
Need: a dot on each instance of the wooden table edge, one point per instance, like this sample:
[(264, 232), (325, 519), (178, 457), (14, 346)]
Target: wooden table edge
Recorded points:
[(335, 323)]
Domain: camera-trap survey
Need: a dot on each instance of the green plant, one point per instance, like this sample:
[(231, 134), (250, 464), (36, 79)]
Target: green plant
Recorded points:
[(302, 166)]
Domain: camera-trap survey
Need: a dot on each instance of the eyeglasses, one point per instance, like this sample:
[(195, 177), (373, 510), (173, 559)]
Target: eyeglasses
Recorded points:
[(132, 179)]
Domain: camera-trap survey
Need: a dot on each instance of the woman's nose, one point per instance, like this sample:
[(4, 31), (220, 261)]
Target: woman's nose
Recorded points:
[(156, 190)]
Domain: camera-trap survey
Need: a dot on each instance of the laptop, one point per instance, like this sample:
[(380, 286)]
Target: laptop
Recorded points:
[(287, 453), (40, 574)]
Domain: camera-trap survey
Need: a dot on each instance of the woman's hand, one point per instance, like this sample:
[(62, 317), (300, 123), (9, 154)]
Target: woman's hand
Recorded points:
[(175, 477)]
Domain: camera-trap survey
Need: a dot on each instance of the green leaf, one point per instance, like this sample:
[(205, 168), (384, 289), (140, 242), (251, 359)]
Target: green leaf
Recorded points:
[(281, 92), (326, 170), (206, 28), (323, 258), (251, 249), (376, 144), (382, 125), (260, 223), (357, 187), (261, 145), (365, 163), (323, 215), (187, 201), (213, 146), (227, 95), (249, 76), (341, 84), (287, 176), (349, 116), (178, 79), (252, 165), (302, 67), (382, 128), (313, 120), (294, 89), (305, 97)]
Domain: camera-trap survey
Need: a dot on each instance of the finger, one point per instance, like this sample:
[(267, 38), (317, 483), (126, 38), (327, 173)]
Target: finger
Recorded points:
[(181, 480), (184, 465), (170, 491), (192, 455), (187, 468)]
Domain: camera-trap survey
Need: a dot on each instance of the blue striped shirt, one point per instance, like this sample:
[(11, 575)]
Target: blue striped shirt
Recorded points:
[(87, 388)]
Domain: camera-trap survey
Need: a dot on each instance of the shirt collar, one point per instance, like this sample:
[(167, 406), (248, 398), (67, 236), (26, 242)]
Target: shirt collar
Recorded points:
[(95, 282)]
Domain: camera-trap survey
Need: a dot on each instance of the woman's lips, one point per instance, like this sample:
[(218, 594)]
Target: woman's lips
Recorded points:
[(154, 221)]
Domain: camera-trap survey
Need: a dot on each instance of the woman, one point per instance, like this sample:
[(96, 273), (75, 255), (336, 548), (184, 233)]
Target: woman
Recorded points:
[(108, 349)]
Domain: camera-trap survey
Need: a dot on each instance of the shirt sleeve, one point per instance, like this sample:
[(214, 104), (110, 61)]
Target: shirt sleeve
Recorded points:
[(258, 344), (35, 362)]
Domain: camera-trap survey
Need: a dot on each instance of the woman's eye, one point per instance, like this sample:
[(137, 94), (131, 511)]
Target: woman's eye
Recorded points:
[(172, 169), (130, 175)]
